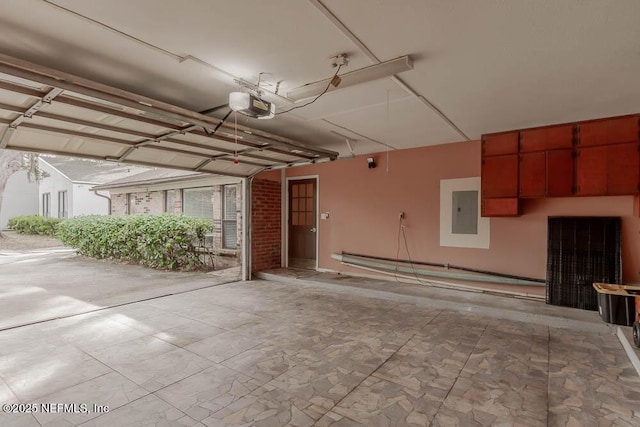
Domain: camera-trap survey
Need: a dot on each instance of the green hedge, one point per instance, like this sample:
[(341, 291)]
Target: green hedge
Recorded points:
[(160, 241), (34, 224)]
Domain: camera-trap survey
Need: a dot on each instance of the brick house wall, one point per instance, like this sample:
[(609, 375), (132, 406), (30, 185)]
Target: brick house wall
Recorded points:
[(146, 203), (154, 202), (118, 204), (266, 243)]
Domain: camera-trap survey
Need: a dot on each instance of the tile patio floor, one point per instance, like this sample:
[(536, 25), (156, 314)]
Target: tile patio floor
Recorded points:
[(267, 353)]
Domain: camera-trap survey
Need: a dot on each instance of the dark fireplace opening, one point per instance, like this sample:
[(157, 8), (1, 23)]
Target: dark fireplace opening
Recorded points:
[(581, 251)]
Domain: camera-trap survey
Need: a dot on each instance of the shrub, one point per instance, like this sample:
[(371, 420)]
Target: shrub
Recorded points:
[(160, 241), (34, 224)]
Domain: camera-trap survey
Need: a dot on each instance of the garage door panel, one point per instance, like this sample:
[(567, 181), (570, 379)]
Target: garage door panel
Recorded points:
[(70, 115), (230, 169), (63, 125), (99, 117), (56, 143)]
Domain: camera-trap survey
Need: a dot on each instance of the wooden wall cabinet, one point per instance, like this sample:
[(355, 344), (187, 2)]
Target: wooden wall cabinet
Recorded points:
[(591, 158), (608, 170), (591, 171), (533, 174), (546, 162), (549, 138), (608, 131), (499, 175), (623, 168), (607, 157), (560, 173), (506, 206)]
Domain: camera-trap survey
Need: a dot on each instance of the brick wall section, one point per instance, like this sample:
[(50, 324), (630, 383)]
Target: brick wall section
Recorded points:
[(266, 241), (118, 204), (153, 202)]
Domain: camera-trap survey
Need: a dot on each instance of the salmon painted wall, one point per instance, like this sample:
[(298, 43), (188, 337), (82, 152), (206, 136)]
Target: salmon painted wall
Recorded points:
[(364, 205)]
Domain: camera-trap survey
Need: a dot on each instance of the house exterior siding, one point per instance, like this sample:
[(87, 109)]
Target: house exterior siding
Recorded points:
[(154, 202), (20, 198)]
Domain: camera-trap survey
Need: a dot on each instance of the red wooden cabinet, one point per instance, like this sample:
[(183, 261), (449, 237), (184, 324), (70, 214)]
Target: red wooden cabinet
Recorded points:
[(533, 180), (550, 138), (592, 158), (546, 161), (546, 173), (507, 206), (623, 168), (500, 176), (591, 171), (499, 144), (608, 131), (559, 171), (608, 170)]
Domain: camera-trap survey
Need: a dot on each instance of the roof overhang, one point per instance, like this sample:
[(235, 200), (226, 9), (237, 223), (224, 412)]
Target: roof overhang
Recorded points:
[(173, 182), (47, 111)]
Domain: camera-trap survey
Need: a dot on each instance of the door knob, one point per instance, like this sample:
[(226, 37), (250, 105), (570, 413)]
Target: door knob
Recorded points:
[(313, 230)]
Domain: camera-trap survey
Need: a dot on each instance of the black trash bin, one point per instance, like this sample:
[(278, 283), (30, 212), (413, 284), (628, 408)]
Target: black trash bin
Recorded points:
[(615, 305)]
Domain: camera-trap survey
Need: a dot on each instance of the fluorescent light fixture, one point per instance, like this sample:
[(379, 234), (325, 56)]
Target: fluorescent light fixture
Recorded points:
[(362, 75)]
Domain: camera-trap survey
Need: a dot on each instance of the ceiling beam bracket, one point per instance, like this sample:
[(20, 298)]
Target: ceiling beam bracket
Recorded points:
[(6, 136), (202, 164), (13, 126)]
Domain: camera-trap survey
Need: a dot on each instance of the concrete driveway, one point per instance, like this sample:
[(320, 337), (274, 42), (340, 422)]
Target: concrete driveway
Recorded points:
[(300, 352), (44, 284)]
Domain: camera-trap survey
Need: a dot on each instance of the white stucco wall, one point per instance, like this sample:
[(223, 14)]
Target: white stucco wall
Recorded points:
[(85, 202), (20, 198), (53, 184)]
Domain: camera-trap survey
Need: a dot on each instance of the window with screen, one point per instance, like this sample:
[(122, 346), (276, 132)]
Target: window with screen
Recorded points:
[(170, 201), (229, 217), (198, 203)]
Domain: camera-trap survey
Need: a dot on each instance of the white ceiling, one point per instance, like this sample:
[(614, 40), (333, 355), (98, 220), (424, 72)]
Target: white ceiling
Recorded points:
[(486, 65)]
